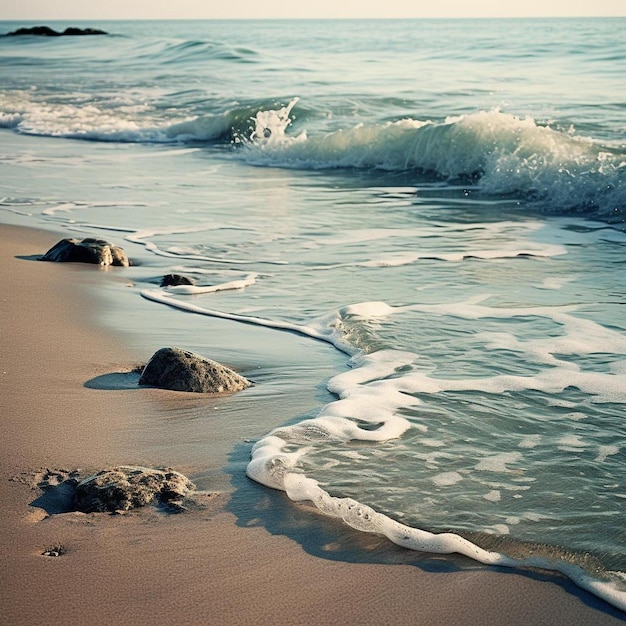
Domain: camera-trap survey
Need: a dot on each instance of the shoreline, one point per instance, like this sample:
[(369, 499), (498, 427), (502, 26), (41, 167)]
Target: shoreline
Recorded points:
[(249, 557)]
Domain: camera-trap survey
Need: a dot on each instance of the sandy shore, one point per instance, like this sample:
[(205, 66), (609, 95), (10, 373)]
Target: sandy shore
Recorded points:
[(249, 557)]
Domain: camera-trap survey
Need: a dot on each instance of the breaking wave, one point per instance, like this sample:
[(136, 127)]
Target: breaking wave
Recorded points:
[(498, 153), (501, 153)]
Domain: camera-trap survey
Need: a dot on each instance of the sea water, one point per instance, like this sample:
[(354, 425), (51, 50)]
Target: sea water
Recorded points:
[(439, 202)]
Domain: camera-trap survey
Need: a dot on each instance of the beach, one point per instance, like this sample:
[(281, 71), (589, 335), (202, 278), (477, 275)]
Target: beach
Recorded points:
[(248, 556), (406, 234)]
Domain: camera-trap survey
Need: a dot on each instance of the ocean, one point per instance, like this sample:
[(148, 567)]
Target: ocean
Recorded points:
[(438, 206)]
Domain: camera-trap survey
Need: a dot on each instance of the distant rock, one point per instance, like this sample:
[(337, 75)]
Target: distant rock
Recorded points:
[(173, 280), (124, 488), (181, 370), (73, 31), (46, 31), (89, 250)]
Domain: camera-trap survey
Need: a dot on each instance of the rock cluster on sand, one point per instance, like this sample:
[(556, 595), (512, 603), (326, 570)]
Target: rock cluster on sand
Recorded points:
[(124, 488), (89, 250), (182, 370), (46, 31)]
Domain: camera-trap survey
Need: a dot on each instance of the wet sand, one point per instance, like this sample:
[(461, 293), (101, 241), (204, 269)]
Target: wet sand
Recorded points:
[(249, 556)]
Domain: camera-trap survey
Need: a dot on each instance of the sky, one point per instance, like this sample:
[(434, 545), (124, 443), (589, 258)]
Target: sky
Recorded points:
[(238, 9)]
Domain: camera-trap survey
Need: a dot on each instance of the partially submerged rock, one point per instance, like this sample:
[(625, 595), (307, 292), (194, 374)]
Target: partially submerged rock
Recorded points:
[(46, 31), (181, 370), (173, 280), (124, 488), (88, 250)]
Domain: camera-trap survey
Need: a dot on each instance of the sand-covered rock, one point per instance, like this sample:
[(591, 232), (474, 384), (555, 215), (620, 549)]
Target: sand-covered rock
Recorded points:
[(124, 488), (182, 370), (88, 250)]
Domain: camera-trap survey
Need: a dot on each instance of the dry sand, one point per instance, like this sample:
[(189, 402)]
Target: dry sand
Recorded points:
[(249, 557)]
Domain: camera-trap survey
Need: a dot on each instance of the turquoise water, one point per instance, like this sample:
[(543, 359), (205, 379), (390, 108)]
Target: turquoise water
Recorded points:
[(442, 202)]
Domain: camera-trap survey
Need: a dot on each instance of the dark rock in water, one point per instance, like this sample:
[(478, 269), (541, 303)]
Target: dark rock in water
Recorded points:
[(181, 370), (46, 31), (73, 31), (173, 280), (124, 488), (89, 250), (40, 31)]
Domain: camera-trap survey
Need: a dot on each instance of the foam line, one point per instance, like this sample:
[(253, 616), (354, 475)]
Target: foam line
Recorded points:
[(139, 237), (196, 290), (324, 333), (370, 394), (299, 487)]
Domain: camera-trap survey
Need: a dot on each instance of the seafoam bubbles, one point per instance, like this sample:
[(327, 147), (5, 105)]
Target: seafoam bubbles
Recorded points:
[(578, 335), (446, 479), (438, 241), (606, 451), (79, 117), (499, 463), (600, 386), (365, 411)]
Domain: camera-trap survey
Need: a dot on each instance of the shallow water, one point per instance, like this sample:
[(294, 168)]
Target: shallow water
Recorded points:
[(439, 204)]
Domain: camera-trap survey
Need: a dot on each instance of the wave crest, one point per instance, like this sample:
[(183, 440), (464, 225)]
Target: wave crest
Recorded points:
[(501, 153)]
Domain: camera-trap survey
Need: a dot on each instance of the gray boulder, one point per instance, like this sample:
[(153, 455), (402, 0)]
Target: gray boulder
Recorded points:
[(124, 488), (89, 250), (181, 370)]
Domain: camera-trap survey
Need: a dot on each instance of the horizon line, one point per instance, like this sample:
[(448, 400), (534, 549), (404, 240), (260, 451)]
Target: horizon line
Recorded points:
[(309, 18)]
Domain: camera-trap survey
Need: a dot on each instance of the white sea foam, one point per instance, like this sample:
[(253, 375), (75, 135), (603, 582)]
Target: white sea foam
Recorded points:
[(493, 496), (499, 462), (571, 443), (531, 441), (354, 388), (605, 451), (322, 329), (272, 466), (407, 258), (247, 281), (447, 478), (602, 387), (25, 112)]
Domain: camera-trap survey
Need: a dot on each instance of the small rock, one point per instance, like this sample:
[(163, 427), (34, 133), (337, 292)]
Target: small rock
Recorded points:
[(181, 370), (173, 280), (89, 250), (54, 552), (124, 488)]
